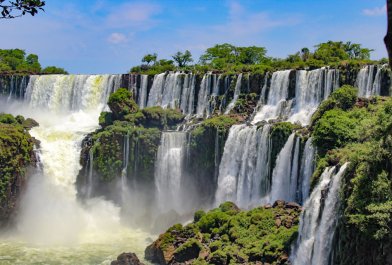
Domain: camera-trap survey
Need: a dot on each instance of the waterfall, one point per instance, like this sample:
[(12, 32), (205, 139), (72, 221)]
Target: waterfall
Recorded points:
[(311, 87), (172, 91), (169, 171), (188, 94), (213, 101), (124, 172), (67, 109), (237, 91), (155, 95), (61, 93), (318, 221), (369, 81), (277, 96), (243, 171), (17, 86), (90, 173), (203, 97), (143, 91), (307, 168), (285, 173)]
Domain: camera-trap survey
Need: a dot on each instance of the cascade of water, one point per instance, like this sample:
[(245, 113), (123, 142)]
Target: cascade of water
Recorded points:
[(204, 93), (376, 89), (169, 171), (310, 88), (242, 171), (155, 95), (90, 173), (70, 92), (172, 91), (124, 172), (143, 91), (284, 178), (277, 96), (318, 221), (188, 92), (213, 101), (369, 81), (331, 81), (307, 167), (237, 91)]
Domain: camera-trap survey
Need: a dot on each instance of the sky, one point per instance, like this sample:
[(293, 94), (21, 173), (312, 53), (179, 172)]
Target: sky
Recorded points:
[(102, 36)]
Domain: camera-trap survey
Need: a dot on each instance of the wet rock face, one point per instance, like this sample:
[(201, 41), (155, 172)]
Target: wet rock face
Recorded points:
[(127, 259)]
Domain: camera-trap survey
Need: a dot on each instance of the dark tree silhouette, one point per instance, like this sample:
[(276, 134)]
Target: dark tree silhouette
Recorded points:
[(388, 37), (18, 8)]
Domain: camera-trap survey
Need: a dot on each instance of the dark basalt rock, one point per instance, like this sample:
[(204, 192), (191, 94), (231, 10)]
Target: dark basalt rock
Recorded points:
[(127, 259)]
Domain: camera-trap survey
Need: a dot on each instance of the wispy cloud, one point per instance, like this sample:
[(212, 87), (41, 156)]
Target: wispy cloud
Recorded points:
[(133, 15), (117, 38), (377, 11)]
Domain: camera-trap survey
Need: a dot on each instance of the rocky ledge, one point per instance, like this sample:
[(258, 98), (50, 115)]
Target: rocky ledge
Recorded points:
[(127, 259), (228, 235)]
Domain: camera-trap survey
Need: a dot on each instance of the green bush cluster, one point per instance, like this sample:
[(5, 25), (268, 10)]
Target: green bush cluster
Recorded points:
[(16, 150), (227, 235), (348, 129)]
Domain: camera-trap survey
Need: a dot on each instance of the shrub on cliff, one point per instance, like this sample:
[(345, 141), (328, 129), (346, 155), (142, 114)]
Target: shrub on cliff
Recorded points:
[(121, 103)]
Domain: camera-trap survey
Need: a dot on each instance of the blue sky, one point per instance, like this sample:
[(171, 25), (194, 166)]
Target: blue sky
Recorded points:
[(102, 36)]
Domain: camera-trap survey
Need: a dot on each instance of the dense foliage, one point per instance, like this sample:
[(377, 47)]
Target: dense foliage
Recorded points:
[(16, 152), (229, 58), (227, 235), (359, 131), (17, 61)]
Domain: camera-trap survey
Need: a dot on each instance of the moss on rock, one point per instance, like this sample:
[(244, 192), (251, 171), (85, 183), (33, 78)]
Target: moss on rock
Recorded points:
[(227, 235)]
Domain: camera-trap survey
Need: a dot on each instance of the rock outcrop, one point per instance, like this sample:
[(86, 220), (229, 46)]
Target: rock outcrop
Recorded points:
[(227, 235), (127, 259)]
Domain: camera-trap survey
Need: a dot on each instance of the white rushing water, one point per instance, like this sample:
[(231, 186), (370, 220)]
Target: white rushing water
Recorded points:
[(285, 174), (62, 230), (369, 81), (169, 171), (243, 171), (143, 91), (318, 221), (237, 91), (310, 89), (277, 95), (307, 168)]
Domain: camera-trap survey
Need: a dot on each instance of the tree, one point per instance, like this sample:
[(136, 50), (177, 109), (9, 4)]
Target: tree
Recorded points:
[(251, 54), (182, 58), (18, 8), (305, 54), (388, 37), (54, 70), (148, 58)]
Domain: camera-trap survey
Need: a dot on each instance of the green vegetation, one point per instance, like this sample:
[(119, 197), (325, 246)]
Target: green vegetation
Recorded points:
[(227, 235), (16, 152), (233, 59), (16, 61), (144, 130), (348, 129)]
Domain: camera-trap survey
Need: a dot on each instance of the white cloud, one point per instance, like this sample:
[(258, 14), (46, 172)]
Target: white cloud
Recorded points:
[(133, 15), (117, 38), (377, 11)]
